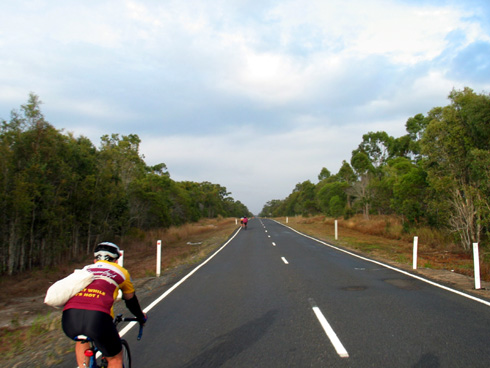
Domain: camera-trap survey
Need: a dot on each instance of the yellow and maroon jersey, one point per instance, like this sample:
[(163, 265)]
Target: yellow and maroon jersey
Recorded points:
[(101, 294)]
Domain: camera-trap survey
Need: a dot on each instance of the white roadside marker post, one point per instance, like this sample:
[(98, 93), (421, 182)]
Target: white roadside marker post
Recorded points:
[(120, 260), (415, 251), (476, 261), (159, 257)]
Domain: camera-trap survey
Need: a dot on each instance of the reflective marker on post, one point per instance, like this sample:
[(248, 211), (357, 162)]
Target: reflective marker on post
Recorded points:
[(159, 257)]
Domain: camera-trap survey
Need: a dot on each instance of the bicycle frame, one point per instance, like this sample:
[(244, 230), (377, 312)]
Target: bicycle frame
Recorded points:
[(92, 351)]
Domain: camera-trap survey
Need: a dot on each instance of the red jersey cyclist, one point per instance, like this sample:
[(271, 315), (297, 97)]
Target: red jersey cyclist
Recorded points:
[(90, 312)]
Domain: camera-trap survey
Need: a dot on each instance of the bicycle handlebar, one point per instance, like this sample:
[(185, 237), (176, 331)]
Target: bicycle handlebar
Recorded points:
[(119, 318)]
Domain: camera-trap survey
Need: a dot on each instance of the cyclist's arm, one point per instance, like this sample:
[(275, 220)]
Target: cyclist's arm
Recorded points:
[(130, 298), (133, 305)]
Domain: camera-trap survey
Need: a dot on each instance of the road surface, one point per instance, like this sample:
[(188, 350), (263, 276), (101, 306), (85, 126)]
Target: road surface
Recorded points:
[(272, 297)]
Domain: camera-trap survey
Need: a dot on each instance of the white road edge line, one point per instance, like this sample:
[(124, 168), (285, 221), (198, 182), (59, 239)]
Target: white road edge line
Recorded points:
[(329, 331), (165, 294), (284, 260), (392, 268)]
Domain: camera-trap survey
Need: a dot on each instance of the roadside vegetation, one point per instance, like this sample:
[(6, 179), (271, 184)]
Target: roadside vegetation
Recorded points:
[(433, 182), (60, 195)]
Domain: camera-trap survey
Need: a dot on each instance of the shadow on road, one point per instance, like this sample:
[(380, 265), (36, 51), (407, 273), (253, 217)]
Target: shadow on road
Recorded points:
[(428, 360), (233, 343)]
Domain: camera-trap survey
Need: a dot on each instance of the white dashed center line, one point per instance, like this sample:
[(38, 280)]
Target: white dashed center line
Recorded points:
[(329, 330)]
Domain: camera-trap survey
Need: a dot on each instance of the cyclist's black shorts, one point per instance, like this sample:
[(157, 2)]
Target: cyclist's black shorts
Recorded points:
[(94, 324)]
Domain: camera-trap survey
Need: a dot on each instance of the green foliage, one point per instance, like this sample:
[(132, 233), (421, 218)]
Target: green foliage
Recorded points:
[(456, 147), (438, 174), (60, 195), (324, 174), (336, 205), (325, 195)]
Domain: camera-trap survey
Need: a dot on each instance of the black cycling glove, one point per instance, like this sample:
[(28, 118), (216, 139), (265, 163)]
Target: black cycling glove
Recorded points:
[(134, 307)]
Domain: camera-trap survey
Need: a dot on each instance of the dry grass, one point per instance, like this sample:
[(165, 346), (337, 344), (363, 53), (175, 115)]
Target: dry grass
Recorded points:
[(15, 338), (184, 244), (139, 255), (384, 236)]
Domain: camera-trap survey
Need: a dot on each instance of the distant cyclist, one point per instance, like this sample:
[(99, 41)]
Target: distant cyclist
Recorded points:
[(90, 312), (244, 222)]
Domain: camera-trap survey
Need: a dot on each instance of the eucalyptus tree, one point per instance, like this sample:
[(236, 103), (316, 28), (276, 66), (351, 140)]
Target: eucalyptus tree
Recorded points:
[(38, 182), (370, 158), (362, 189), (324, 174), (119, 165), (376, 146), (456, 146), (409, 190), (272, 208), (332, 191)]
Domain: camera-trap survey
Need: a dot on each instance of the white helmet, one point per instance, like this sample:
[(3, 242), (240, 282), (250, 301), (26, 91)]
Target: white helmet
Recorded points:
[(107, 251)]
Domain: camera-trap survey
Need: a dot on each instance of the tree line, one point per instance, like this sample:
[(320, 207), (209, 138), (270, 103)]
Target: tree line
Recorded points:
[(60, 195), (436, 175)]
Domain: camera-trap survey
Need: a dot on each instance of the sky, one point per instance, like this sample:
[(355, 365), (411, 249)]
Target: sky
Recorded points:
[(254, 95)]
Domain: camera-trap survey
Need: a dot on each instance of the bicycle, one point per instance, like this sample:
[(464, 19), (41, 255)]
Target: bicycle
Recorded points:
[(95, 361)]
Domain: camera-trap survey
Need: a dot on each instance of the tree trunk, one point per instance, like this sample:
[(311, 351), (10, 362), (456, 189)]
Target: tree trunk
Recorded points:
[(12, 253), (464, 219)]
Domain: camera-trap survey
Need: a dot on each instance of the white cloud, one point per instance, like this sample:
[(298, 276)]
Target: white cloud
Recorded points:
[(268, 77), (321, 44), (285, 87), (406, 34), (417, 96)]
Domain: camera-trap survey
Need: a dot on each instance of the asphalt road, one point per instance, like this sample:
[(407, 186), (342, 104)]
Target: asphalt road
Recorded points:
[(274, 298)]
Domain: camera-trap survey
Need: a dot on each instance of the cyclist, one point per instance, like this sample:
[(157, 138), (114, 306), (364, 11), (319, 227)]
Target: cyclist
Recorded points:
[(245, 221), (90, 312)]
